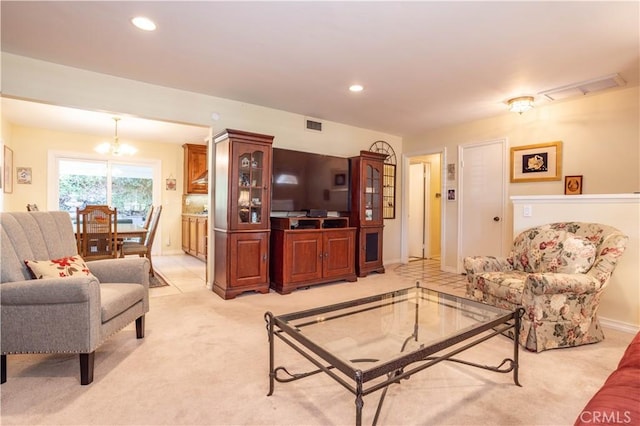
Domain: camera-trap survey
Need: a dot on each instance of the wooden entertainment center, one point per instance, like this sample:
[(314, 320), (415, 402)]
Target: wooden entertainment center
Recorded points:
[(255, 252), (307, 251)]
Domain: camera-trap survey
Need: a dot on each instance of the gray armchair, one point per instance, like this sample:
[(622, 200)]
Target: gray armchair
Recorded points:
[(74, 314)]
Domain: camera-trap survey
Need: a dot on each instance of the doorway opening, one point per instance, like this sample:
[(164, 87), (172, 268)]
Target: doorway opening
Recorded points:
[(423, 192)]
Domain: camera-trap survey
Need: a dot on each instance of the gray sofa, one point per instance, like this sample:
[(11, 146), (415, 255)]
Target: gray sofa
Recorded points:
[(74, 314)]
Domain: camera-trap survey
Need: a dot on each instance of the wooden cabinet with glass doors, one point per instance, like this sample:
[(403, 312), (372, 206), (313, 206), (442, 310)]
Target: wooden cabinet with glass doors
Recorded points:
[(241, 212), (367, 179)]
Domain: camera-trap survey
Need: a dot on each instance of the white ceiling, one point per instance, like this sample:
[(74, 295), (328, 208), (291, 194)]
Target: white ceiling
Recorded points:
[(423, 64)]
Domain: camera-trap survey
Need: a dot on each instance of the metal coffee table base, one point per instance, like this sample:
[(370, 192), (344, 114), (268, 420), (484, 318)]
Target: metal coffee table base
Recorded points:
[(406, 367)]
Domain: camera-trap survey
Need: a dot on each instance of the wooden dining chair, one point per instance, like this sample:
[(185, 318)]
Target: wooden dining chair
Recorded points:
[(97, 232), (147, 221), (144, 249)]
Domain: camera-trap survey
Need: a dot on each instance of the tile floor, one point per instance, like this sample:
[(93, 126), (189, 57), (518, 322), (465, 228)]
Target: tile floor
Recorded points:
[(185, 273), (428, 272)]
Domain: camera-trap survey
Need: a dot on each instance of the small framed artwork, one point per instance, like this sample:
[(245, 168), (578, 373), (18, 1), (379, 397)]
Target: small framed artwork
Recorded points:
[(573, 185), (171, 184), (451, 194), (451, 171), (536, 163), (8, 170), (23, 175)]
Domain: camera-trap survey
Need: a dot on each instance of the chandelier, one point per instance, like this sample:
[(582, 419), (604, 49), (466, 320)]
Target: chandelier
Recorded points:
[(116, 148)]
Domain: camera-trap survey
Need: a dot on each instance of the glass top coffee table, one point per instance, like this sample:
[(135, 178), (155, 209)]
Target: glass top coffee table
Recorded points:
[(370, 343)]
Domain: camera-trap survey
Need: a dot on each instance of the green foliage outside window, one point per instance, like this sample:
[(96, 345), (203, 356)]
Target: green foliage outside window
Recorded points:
[(131, 196)]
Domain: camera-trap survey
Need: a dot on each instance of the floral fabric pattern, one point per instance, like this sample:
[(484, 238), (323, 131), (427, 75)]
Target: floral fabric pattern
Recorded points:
[(557, 272), (58, 268)]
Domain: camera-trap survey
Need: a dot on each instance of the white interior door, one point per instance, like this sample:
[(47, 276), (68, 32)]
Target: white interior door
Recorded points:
[(482, 199), (417, 211)]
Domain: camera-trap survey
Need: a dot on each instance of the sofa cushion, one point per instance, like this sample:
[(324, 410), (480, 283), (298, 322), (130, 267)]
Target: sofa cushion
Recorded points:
[(533, 249), (506, 285), (117, 298), (58, 268), (552, 250), (618, 400), (576, 257)]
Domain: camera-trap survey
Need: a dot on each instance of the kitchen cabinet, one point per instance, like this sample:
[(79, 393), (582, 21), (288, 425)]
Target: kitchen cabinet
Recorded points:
[(367, 178), (195, 166), (241, 212), (307, 251), (194, 235)]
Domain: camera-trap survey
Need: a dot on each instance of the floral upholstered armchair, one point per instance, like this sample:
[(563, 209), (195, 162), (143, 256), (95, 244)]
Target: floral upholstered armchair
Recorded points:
[(557, 273)]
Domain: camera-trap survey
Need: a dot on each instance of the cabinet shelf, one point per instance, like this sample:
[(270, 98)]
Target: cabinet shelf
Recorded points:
[(367, 208), (309, 251), (309, 223), (241, 236)]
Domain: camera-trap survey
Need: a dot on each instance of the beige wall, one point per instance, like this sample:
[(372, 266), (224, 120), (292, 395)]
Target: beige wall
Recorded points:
[(35, 80), (619, 304), (31, 148), (5, 136), (601, 141)]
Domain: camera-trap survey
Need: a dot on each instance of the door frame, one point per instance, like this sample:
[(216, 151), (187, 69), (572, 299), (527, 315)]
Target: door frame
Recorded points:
[(404, 220), (461, 196)]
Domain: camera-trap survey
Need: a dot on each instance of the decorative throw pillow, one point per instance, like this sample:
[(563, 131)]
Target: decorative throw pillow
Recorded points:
[(58, 268), (536, 249), (577, 255)]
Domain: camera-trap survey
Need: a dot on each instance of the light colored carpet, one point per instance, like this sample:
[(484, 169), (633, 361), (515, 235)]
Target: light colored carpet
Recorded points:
[(204, 361)]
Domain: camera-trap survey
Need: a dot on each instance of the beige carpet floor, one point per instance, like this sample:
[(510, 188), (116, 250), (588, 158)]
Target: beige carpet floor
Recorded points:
[(204, 361)]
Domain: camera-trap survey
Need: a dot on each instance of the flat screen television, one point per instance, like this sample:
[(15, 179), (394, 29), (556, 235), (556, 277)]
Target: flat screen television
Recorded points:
[(304, 181)]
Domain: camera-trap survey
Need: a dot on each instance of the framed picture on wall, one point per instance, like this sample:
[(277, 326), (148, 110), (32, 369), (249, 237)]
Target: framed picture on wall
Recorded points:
[(573, 185), (451, 194), (23, 175), (8, 170), (536, 163)]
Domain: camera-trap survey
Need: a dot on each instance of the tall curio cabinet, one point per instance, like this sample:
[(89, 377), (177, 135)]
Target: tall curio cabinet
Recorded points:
[(367, 178), (241, 212)]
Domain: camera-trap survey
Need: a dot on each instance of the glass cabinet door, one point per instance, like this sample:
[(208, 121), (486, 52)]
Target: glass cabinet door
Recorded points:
[(252, 206), (372, 194)]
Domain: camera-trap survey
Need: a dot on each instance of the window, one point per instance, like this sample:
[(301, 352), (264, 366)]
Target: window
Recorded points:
[(126, 186)]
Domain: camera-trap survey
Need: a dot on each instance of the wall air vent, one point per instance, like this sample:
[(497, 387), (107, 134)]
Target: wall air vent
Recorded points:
[(314, 125), (583, 88)]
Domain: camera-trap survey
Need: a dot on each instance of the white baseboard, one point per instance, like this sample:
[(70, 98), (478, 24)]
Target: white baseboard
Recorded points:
[(619, 325)]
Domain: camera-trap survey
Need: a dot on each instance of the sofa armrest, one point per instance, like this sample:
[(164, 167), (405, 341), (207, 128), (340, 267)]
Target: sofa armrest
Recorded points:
[(50, 291), (121, 270), (556, 283), (50, 315), (476, 264)]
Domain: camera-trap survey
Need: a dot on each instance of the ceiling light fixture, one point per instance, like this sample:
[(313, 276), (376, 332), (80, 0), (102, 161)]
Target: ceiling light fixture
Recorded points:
[(520, 104), (356, 88), (143, 23), (115, 147)]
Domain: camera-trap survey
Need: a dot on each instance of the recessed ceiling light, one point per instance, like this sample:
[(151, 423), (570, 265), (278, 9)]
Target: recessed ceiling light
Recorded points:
[(143, 23), (356, 88)]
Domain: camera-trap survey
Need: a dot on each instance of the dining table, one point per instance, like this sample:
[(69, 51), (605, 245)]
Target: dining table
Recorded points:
[(131, 230), (126, 231)]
